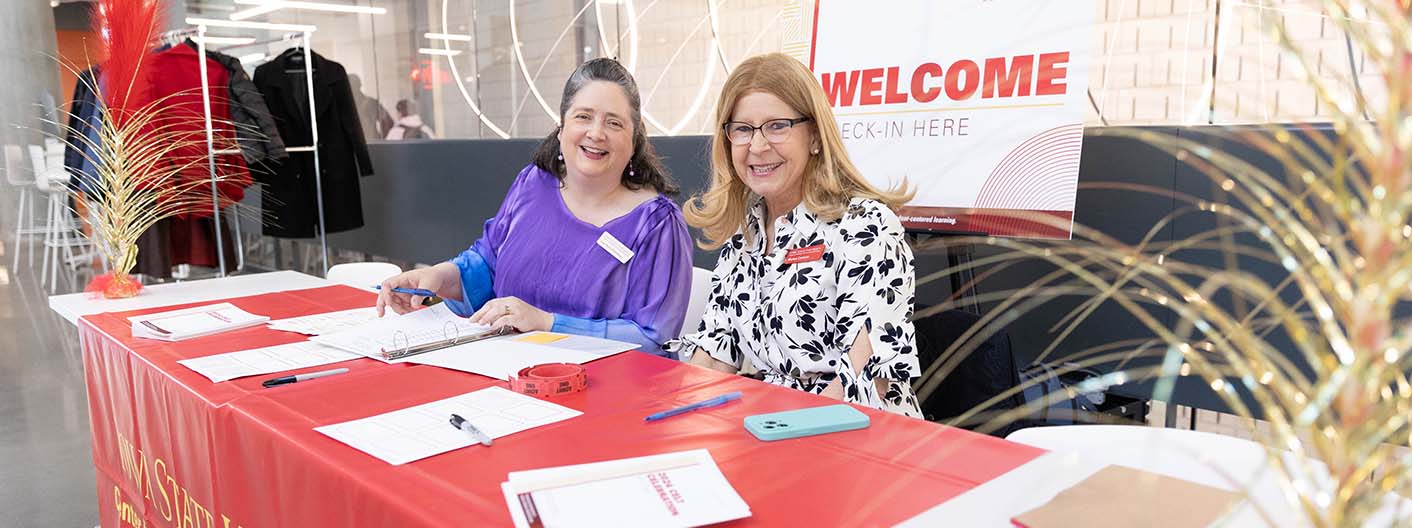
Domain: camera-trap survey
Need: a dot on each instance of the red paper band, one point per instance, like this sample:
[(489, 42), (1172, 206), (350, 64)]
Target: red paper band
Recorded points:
[(549, 380)]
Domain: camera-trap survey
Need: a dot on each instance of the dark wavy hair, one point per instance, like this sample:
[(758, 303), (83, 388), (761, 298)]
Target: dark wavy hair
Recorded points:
[(645, 169)]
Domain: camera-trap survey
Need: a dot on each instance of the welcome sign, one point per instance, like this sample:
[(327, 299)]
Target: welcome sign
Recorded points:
[(978, 104)]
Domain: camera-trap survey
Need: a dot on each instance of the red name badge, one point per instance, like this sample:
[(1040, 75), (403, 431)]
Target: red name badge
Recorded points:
[(804, 254)]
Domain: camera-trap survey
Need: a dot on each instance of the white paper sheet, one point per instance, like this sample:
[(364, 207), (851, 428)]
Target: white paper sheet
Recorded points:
[(326, 323), (639, 495), (268, 360), (414, 433), (502, 357), (177, 325), (396, 332)]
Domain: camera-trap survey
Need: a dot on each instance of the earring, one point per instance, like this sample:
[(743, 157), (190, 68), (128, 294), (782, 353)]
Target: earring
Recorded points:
[(815, 151), (561, 156), (631, 172)]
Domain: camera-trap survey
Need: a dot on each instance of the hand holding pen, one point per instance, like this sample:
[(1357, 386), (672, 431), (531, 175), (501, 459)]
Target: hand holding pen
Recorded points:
[(406, 292)]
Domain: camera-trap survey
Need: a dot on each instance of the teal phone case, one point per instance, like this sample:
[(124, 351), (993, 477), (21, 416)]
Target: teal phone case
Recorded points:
[(805, 422)]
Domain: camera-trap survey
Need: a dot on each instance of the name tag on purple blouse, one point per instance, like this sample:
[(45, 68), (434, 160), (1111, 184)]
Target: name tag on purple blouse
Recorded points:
[(615, 248)]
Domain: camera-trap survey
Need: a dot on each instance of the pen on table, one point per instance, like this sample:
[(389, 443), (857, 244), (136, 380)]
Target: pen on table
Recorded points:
[(302, 377), (724, 398), (460, 423)]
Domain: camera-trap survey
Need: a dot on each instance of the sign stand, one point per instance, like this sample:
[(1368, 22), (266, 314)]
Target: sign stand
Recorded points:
[(958, 257)]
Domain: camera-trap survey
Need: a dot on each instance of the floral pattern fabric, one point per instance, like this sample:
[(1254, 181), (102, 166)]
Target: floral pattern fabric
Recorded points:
[(797, 321)]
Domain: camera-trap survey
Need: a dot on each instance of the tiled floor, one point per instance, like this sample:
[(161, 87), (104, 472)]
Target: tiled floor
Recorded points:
[(46, 471)]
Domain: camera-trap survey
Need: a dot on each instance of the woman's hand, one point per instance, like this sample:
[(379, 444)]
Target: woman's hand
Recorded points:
[(440, 279), (511, 311), (701, 359), (833, 390)]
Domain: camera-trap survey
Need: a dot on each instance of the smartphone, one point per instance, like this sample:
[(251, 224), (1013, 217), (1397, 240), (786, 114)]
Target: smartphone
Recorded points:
[(805, 422)]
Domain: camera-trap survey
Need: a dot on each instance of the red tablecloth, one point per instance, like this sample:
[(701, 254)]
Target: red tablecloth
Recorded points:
[(173, 449)]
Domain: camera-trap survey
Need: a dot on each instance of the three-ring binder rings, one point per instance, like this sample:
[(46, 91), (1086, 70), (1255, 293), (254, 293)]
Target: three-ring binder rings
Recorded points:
[(450, 337), (397, 338)]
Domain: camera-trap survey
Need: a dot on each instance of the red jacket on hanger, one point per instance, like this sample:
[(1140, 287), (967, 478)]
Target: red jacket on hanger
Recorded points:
[(176, 82), (191, 238)]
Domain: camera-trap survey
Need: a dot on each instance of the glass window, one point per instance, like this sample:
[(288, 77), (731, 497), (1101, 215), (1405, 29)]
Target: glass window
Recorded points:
[(495, 68)]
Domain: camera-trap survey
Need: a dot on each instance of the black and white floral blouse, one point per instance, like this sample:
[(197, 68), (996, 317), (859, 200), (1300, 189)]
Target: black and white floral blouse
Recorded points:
[(796, 322)]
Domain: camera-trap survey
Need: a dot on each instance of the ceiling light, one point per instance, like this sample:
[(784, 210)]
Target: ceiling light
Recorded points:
[(267, 6), (251, 57), (438, 51), (255, 11), (225, 40), (216, 22), (448, 36)]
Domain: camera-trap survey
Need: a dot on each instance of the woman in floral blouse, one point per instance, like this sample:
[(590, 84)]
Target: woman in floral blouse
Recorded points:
[(815, 282)]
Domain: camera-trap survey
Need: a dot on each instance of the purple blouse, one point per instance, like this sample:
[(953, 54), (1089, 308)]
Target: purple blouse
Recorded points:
[(537, 250)]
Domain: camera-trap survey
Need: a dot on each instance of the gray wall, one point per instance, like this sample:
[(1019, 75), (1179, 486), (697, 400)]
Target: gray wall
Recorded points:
[(28, 63)]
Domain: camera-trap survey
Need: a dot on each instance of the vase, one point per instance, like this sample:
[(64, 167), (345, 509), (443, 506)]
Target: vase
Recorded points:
[(121, 286)]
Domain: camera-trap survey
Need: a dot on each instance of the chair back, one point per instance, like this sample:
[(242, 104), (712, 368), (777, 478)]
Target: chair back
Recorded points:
[(363, 275), (16, 170), (37, 166), (984, 371), (54, 161), (700, 293)]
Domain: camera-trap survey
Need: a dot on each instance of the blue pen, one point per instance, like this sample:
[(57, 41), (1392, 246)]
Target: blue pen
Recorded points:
[(410, 291), (719, 400)]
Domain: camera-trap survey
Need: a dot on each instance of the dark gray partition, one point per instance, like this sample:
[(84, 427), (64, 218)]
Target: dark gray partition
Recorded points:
[(428, 200)]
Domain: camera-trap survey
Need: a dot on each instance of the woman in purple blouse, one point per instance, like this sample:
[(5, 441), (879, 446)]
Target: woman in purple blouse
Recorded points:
[(586, 242)]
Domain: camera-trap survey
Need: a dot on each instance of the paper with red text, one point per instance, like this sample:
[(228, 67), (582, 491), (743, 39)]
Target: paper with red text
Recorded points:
[(678, 489)]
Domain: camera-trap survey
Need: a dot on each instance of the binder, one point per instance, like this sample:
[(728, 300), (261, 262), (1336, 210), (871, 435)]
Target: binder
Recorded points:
[(399, 337)]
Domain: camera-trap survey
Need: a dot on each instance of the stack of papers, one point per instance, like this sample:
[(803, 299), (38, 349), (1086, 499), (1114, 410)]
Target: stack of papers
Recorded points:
[(397, 332), (193, 322), (326, 323), (675, 489), (268, 360), (414, 433), (503, 357)]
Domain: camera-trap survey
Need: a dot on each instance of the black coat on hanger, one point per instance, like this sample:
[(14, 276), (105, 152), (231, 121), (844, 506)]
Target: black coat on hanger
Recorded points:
[(289, 199)]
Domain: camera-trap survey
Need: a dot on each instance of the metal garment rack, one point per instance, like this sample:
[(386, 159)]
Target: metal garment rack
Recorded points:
[(306, 31)]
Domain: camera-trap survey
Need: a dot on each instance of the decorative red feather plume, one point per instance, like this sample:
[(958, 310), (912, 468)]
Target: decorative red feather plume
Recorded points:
[(127, 28)]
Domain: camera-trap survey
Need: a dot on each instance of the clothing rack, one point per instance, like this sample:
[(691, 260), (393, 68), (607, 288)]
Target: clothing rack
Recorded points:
[(174, 36), (304, 31), (285, 38)]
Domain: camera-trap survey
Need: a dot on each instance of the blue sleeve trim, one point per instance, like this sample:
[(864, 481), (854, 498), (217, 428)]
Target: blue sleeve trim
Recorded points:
[(477, 283)]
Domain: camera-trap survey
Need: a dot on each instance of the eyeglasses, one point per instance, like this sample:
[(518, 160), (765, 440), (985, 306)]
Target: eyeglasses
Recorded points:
[(774, 130)]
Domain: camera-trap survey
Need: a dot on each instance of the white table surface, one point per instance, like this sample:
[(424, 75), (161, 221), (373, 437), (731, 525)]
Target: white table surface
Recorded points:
[(1076, 452), (74, 305)]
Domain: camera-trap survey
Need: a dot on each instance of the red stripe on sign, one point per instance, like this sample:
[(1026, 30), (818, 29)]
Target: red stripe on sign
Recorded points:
[(1018, 223)]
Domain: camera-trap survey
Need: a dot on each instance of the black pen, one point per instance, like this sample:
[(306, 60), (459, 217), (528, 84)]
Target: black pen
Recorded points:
[(273, 382), (460, 423)]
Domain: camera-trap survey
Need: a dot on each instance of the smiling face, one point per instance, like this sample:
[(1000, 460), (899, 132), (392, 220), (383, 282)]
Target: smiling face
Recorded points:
[(596, 138), (774, 171)]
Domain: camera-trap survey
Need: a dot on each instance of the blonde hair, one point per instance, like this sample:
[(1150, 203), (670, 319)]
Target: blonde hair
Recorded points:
[(830, 179)]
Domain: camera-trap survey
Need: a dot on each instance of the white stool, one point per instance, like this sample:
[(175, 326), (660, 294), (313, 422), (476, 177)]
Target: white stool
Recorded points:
[(17, 176), (363, 275), (60, 231)]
